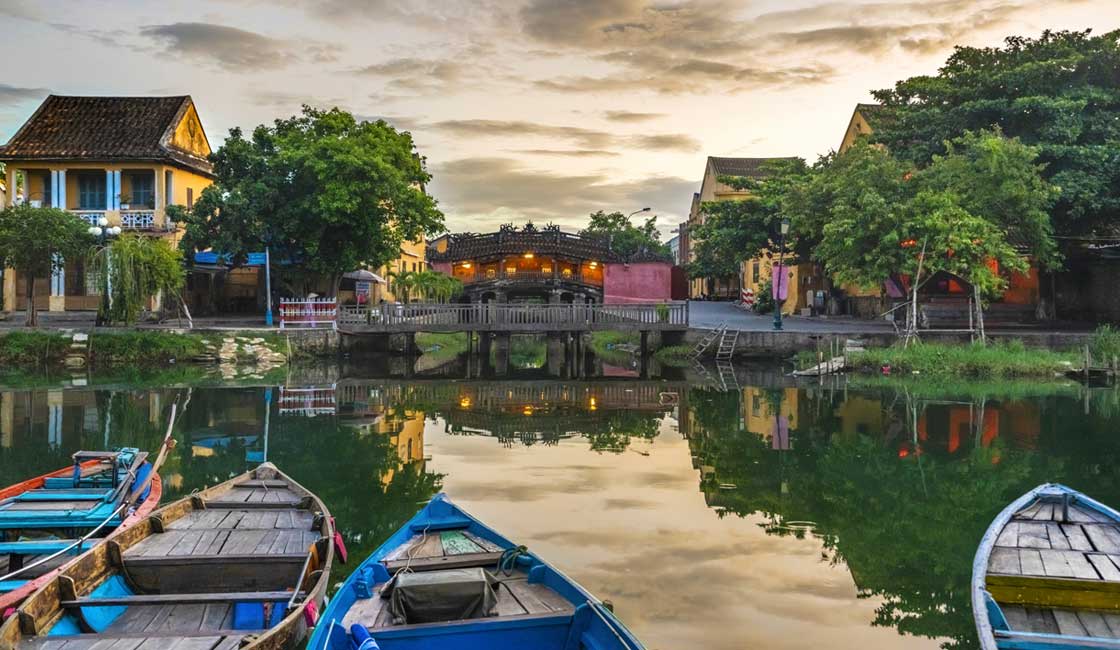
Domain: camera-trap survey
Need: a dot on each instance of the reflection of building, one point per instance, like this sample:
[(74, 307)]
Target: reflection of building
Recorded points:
[(759, 408), (122, 159), (549, 266)]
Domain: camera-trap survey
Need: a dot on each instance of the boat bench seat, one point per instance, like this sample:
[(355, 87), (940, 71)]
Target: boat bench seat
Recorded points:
[(181, 599), (43, 546)]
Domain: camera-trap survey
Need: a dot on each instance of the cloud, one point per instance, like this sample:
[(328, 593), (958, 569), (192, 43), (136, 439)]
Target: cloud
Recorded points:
[(417, 76), (570, 153), (235, 49), (13, 95), (581, 137), (492, 190), (630, 117)]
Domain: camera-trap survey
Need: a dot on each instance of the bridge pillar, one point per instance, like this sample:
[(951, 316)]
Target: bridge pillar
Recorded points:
[(501, 354), (557, 344), (643, 355), (483, 353)]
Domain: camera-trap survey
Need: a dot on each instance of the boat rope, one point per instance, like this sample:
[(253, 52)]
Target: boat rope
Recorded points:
[(507, 563), (595, 608), (76, 543)]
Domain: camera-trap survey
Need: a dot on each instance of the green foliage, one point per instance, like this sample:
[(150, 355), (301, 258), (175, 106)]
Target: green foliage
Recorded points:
[(626, 238), (139, 267), (764, 302), (1105, 344), (325, 191), (744, 228), (37, 240), (435, 286), (442, 346), (1003, 359), (604, 344), (32, 349), (527, 351), (1058, 93), (877, 217), (674, 356), (145, 348)]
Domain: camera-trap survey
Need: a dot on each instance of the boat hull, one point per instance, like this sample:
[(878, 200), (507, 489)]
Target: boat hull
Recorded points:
[(1046, 574), (536, 605)]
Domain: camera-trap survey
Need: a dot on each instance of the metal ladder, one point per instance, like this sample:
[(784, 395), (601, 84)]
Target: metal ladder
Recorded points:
[(727, 343), (727, 376), (706, 342)]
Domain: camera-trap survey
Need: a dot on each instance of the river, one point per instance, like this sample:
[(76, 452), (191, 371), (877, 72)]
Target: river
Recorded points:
[(718, 513)]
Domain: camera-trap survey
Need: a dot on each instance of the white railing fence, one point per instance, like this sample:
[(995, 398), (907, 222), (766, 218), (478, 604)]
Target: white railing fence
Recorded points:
[(309, 313)]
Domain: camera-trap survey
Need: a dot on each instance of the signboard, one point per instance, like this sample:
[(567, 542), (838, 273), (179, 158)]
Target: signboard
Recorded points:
[(361, 292), (780, 285)]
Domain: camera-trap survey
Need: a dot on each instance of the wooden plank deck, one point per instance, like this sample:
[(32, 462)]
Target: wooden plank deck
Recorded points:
[(1068, 622)]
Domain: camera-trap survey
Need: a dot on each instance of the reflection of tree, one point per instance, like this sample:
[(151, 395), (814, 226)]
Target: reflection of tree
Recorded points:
[(905, 521)]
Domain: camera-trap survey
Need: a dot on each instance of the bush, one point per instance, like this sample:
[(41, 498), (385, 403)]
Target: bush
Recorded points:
[(674, 356), (1000, 359), (145, 348), (27, 348), (764, 301), (1105, 344)]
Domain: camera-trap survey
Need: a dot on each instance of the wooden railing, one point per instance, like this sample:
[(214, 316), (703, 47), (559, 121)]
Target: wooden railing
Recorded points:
[(418, 317)]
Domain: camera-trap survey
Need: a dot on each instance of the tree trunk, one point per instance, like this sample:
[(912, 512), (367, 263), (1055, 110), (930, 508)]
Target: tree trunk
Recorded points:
[(979, 314), (32, 315)]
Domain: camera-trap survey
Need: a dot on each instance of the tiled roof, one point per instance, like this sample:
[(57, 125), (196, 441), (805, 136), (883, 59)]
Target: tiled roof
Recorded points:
[(750, 167), (869, 111), (550, 240), (104, 129)]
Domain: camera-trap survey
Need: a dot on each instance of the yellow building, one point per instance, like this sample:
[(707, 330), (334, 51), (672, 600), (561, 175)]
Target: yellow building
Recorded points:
[(413, 258), (753, 273), (114, 160), (859, 125)]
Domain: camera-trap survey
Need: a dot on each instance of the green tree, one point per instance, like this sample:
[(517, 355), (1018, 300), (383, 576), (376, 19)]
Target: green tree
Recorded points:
[(37, 241), (626, 238), (1059, 93), (136, 268), (744, 228), (326, 192), (433, 285), (402, 283)]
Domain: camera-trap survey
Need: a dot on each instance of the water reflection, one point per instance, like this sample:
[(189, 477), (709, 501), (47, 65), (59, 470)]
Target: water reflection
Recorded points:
[(728, 512)]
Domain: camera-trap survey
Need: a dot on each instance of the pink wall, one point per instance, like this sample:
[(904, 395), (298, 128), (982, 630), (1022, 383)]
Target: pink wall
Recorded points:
[(640, 282)]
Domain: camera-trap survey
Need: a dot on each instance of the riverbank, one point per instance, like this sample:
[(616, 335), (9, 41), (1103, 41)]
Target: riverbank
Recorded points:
[(229, 352), (999, 359)]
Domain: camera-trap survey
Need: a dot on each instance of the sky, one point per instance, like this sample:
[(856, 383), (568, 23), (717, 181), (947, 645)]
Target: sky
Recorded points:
[(541, 110)]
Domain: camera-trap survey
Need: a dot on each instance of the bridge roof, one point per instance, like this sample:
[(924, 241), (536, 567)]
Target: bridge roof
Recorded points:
[(550, 240)]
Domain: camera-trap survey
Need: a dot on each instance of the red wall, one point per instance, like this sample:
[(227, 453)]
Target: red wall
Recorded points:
[(641, 282)]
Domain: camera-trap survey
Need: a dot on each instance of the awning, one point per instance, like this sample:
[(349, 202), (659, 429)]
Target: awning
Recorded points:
[(362, 275)]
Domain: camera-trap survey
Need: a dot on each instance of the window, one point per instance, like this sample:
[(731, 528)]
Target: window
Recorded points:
[(47, 198), (167, 192), (143, 190), (91, 191), (190, 198), (754, 272)]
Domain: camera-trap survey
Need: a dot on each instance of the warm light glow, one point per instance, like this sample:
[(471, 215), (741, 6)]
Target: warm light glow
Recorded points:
[(510, 270), (593, 264), (528, 256), (592, 405), (466, 265), (465, 403), (528, 410)]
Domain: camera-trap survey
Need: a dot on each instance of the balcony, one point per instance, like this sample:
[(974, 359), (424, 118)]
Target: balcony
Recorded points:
[(136, 220)]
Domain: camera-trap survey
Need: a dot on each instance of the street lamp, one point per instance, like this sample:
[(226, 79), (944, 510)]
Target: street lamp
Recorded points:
[(780, 277), (637, 211), (103, 233)]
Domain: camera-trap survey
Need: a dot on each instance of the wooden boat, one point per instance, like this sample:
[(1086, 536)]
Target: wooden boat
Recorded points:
[(446, 581), (1047, 574), (244, 564), (100, 492)]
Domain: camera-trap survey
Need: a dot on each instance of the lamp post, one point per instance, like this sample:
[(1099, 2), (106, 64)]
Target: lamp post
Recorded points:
[(780, 277), (103, 232), (636, 212)]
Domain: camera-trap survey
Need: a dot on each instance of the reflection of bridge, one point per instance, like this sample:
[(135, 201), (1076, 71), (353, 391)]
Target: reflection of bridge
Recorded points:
[(515, 395), (511, 317)]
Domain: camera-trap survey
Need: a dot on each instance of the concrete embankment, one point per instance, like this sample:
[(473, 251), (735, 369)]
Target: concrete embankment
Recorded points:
[(771, 344)]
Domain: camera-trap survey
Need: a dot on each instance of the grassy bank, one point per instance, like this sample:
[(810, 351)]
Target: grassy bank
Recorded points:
[(995, 360), (38, 350), (442, 347)]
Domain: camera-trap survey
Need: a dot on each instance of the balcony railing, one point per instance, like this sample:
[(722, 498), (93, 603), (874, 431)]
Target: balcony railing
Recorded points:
[(138, 219), (529, 276), (128, 219)]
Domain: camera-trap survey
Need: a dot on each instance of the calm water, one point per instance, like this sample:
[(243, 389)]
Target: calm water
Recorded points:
[(717, 516)]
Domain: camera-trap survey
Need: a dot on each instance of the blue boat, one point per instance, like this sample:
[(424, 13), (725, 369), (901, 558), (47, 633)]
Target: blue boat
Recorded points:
[(1047, 574), (43, 521), (446, 581)]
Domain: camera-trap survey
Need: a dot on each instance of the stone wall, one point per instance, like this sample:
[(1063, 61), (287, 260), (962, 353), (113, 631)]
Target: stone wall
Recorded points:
[(638, 282)]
